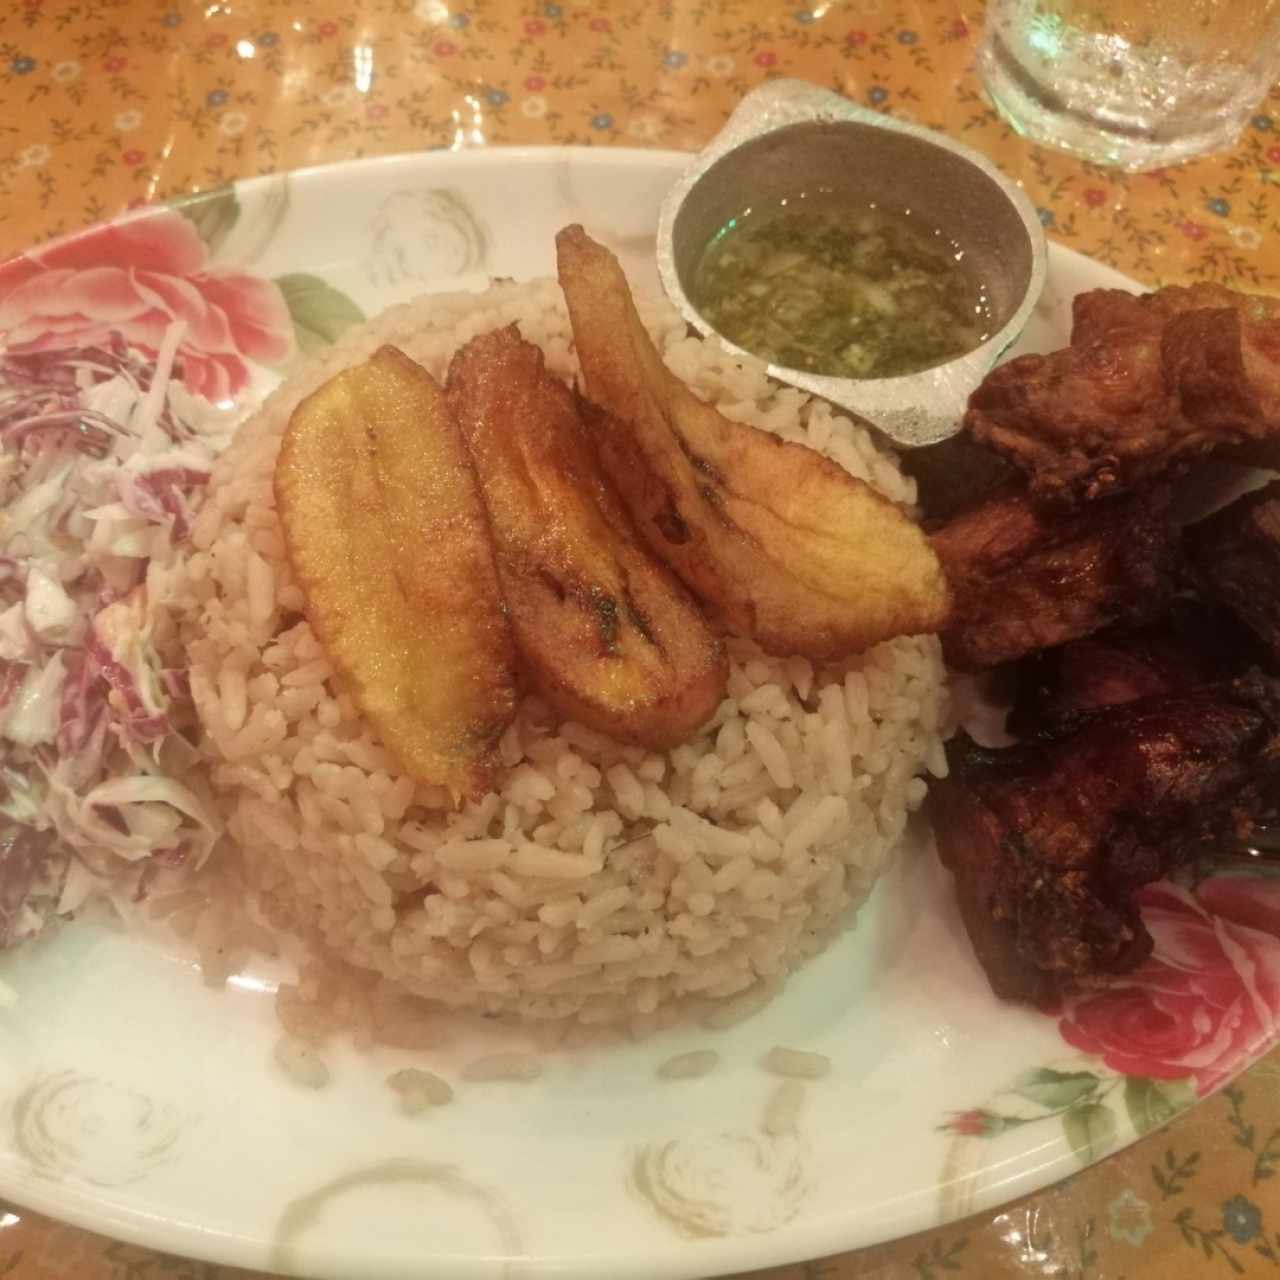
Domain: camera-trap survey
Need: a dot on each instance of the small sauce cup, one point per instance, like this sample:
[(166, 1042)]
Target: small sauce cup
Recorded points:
[(787, 137)]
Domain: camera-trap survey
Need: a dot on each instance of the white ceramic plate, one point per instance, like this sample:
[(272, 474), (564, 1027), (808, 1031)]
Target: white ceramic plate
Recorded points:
[(142, 1105)]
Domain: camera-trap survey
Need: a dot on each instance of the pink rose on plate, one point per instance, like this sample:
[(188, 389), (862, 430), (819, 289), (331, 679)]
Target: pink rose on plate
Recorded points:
[(135, 278), (1206, 1001)]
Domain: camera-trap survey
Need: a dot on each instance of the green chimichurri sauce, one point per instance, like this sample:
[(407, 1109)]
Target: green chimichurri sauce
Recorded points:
[(851, 292)]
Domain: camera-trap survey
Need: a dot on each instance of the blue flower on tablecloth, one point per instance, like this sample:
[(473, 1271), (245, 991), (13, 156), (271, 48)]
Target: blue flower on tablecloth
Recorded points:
[(171, 19), (1263, 122), (674, 59), (877, 95), (1241, 1219), (907, 37), (1046, 217), (22, 66), (458, 21), (602, 121), (268, 38), (1219, 206), (216, 97), (552, 10), (805, 16), (497, 97)]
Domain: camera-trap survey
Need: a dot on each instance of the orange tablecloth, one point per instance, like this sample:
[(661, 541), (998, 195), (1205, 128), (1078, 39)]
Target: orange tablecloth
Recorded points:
[(106, 103)]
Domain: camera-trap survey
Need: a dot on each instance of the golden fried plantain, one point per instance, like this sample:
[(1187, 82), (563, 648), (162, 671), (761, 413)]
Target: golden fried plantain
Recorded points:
[(388, 537), (788, 546), (606, 632)]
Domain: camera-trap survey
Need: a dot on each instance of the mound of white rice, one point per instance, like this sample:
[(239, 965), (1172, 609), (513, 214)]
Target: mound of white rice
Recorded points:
[(601, 881)]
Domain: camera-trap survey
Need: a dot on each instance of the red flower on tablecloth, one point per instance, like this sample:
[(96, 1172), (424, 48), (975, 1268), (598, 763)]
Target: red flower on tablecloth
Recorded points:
[(1094, 197), (1208, 997), (1193, 230), (1273, 155), (444, 49), (133, 157), (535, 27), (856, 38), (959, 29), (535, 84), (766, 58), (135, 279), (327, 29), (115, 64)]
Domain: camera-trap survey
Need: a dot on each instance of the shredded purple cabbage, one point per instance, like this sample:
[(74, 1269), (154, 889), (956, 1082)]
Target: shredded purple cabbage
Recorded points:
[(103, 462)]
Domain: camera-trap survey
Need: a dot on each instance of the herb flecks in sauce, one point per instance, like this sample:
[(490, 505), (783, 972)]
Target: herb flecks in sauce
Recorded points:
[(849, 292)]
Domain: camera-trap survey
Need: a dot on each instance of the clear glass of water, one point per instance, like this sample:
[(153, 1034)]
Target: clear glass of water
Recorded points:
[(1133, 83)]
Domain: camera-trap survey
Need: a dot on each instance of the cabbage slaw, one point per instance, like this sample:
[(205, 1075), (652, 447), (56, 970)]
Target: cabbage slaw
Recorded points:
[(103, 460)]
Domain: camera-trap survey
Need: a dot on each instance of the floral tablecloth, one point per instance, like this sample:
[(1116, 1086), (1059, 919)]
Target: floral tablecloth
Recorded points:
[(105, 104)]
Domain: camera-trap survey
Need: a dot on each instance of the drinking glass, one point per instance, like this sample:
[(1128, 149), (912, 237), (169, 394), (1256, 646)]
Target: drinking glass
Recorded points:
[(1133, 83)]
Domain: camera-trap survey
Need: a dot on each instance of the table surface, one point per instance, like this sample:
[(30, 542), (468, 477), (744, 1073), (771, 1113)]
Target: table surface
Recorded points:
[(105, 104)]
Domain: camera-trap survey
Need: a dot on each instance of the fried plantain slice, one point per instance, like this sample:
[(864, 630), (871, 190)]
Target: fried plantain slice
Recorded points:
[(788, 546), (606, 632), (388, 537)]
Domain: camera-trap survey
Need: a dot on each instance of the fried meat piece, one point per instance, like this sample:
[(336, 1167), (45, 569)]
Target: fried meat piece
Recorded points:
[(1022, 580), (1049, 841), (1148, 384), (1235, 558), (1192, 645)]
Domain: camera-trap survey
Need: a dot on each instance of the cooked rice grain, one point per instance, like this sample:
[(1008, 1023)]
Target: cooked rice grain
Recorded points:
[(796, 1063), (419, 1090), (601, 882), (782, 1111), (502, 1066), (689, 1066)]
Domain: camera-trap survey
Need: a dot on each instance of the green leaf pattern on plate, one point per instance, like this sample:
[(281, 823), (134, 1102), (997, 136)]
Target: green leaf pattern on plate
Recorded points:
[(1087, 1102), (1090, 1130), (1056, 1089), (1151, 1103), (321, 313), (212, 213)]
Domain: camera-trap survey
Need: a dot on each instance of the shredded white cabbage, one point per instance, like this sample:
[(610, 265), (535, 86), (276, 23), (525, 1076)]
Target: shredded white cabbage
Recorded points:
[(103, 459)]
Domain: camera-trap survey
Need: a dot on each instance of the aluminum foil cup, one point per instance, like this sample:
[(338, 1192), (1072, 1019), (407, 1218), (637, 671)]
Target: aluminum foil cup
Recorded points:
[(788, 136)]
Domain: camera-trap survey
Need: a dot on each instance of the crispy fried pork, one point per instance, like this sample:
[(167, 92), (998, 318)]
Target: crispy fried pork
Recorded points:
[(1024, 581), (1192, 645), (1048, 841), (1149, 383), (1235, 558)]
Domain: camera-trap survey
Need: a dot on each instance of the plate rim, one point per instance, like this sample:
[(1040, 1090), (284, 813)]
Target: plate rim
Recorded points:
[(676, 1257)]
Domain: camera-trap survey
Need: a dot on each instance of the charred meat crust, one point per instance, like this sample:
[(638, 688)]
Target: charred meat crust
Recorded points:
[(1049, 840), (1024, 581), (1235, 559), (1148, 384)]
